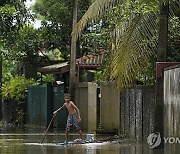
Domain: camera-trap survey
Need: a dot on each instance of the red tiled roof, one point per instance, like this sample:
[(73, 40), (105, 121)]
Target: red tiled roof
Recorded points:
[(90, 61), (91, 56)]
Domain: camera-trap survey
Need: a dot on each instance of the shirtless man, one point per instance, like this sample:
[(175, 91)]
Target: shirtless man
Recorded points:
[(73, 117)]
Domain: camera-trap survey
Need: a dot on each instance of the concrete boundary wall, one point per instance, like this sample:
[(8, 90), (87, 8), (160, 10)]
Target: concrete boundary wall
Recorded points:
[(130, 112), (172, 101), (85, 99), (109, 106)]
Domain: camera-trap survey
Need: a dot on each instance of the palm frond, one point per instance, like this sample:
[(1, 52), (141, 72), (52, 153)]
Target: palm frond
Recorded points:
[(130, 51), (95, 10), (174, 6)]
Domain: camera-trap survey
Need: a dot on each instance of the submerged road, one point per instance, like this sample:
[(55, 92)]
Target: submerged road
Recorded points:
[(29, 143)]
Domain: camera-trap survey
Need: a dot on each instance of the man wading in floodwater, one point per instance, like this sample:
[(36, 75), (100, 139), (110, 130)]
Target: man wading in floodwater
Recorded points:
[(73, 117)]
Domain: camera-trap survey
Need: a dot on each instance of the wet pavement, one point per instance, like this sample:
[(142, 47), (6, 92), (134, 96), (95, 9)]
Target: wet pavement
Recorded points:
[(29, 143)]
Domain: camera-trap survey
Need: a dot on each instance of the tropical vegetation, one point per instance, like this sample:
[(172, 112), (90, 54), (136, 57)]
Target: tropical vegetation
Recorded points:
[(133, 39)]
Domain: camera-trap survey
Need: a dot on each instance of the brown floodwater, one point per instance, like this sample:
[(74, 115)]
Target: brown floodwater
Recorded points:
[(29, 143)]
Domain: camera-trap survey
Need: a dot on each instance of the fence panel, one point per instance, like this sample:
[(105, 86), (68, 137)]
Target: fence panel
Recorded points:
[(58, 100), (137, 112), (39, 104)]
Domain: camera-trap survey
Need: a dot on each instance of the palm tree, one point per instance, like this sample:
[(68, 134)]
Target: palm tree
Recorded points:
[(129, 52)]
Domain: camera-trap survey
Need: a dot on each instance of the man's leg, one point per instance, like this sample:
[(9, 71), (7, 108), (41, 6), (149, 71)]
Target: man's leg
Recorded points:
[(76, 124), (68, 125), (80, 134), (66, 135)]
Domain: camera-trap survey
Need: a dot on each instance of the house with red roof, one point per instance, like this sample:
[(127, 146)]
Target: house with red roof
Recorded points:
[(90, 61)]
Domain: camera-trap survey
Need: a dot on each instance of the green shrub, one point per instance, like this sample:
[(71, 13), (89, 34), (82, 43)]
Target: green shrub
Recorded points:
[(15, 88), (46, 78), (14, 92)]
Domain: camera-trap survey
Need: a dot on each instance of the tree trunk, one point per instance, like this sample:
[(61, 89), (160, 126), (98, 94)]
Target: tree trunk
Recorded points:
[(0, 86), (161, 57), (163, 33), (72, 80)]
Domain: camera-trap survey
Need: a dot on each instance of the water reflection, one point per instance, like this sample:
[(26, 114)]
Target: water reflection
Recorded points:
[(30, 144)]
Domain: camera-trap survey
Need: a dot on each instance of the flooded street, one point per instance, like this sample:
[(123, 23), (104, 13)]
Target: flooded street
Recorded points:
[(29, 143)]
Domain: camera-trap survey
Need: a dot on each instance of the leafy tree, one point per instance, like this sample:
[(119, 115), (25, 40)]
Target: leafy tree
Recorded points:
[(13, 14), (56, 23), (28, 46), (25, 51), (173, 39), (58, 18), (97, 36), (9, 69)]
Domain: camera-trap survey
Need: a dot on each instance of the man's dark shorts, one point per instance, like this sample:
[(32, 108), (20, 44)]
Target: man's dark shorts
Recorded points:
[(72, 120)]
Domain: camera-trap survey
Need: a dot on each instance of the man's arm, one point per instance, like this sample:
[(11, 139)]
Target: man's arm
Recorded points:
[(78, 112), (55, 112)]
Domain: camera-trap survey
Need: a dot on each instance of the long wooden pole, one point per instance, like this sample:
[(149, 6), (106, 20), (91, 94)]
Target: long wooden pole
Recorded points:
[(47, 128)]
